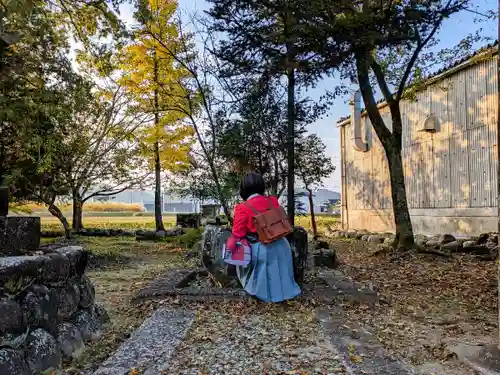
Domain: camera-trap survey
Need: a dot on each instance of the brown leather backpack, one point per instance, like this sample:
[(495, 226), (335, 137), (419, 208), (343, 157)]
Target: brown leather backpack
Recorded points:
[(272, 224)]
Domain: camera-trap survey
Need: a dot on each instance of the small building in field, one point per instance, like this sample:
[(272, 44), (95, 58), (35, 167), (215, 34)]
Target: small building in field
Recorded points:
[(449, 155)]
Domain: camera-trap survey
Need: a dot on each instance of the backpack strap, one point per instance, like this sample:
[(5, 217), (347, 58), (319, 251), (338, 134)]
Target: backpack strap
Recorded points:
[(251, 207), (269, 204)]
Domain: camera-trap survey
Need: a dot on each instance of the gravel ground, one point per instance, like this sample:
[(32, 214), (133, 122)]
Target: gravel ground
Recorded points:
[(258, 339)]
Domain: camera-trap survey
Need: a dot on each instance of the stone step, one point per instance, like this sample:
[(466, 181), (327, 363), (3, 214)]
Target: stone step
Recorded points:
[(150, 348)]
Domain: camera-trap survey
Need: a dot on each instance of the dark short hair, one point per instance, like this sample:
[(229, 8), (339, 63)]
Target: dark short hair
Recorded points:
[(252, 183)]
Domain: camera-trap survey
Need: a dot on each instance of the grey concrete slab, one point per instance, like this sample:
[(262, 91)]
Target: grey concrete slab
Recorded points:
[(152, 345), (484, 359)]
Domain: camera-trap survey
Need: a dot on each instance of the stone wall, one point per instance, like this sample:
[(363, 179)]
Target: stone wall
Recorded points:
[(484, 246), (47, 310)]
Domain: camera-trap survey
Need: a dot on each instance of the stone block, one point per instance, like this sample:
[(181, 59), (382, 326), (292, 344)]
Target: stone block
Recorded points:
[(351, 233), (188, 220), (14, 268), (89, 322), (446, 238), (87, 292), (420, 241), (299, 243), (101, 314), (14, 341), (451, 246), (70, 341), (56, 268), (11, 314), (432, 244), (376, 238), (42, 352), (475, 248), (210, 210), (19, 234), (68, 299), (483, 238), (325, 258), (77, 256), (12, 363), (39, 306), (151, 347), (359, 235), (214, 237), (485, 360), (4, 200)]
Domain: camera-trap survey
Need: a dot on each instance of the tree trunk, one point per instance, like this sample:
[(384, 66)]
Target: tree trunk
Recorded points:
[(313, 216), (404, 230), (392, 143), (77, 223), (291, 145), (55, 211), (158, 200)]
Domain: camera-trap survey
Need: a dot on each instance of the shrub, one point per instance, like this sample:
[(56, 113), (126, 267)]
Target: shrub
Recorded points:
[(189, 239), (322, 222)]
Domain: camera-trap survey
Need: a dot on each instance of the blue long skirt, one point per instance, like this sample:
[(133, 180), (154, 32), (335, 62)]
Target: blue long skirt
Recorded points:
[(269, 276)]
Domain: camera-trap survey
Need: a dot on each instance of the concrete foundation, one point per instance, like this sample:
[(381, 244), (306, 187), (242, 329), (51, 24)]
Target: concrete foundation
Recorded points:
[(460, 222)]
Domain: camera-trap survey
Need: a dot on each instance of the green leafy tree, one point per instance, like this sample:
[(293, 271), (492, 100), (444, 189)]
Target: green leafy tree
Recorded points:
[(42, 175), (35, 77), (254, 138), (265, 39), (387, 46), (312, 166), (107, 154)]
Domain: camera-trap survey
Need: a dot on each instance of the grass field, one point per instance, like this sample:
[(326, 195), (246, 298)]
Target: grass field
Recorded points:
[(50, 223)]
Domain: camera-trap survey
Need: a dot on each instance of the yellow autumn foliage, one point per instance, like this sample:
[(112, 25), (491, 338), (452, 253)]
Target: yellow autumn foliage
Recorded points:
[(154, 82)]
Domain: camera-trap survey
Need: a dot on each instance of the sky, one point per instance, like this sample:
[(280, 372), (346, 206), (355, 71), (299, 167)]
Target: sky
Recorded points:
[(454, 29)]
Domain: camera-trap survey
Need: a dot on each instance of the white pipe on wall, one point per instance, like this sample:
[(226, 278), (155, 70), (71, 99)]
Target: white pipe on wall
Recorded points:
[(357, 141)]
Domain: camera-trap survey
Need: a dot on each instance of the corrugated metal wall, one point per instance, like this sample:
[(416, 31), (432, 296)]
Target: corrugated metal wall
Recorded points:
[(452, 168)]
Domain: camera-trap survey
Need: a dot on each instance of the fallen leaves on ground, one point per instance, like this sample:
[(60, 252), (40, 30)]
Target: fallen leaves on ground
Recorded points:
[(425, 302), (236, 337)]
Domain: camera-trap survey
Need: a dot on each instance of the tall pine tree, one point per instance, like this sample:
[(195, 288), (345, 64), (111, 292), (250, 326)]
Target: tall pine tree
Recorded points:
[(263, 38)]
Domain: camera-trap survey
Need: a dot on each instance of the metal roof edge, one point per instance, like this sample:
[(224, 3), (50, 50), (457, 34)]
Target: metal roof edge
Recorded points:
[(439, 75)]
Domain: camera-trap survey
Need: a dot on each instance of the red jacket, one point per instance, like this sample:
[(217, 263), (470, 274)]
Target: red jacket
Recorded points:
[(243, 215)]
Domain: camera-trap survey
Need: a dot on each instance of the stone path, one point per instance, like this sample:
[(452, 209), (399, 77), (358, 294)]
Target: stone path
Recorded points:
[(151, 346), (246, 338), (256, 344)]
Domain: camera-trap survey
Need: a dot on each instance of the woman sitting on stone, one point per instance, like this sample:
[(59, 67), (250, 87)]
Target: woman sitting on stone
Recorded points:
[(269, 275)]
